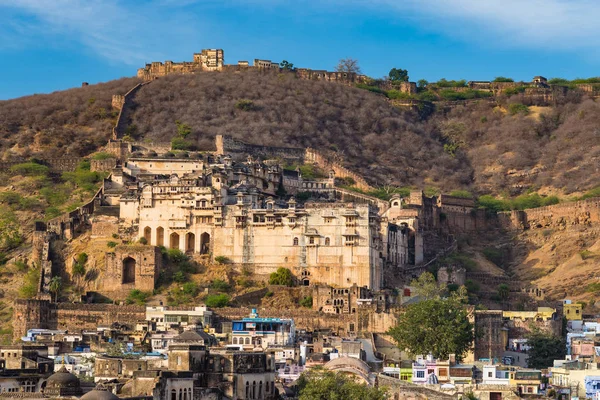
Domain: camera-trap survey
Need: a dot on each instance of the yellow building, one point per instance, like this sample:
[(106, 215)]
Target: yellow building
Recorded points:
[(572, 311), (542, 313), (527, 381)]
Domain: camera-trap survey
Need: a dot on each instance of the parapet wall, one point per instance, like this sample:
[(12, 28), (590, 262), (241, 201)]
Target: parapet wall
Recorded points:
[(561, 215)]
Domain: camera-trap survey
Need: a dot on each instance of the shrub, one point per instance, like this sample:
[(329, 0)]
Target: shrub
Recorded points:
[(307, 302), (269, 294), (219, 284), (30, 283), (245, 105), (179, 143), (112, 244), (518, 108), (595, 192), (190, 289), (494, 255), (282, 276), (78, 269), (102, 155), (138, 297), (217, 300), (222, 260), (20, 266), (10, 198), (176, 256), (179, 277), (472, 286), (463, 194), (593, 287), (143, 241), (29, 169), (586, 254)]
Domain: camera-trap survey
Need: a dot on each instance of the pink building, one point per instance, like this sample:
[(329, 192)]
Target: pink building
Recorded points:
[(582, 348)]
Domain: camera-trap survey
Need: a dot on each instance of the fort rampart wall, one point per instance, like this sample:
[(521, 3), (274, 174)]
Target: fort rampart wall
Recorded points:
[(561, 215), (123, 104)]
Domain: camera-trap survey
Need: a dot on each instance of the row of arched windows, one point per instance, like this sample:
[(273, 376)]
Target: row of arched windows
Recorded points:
[(311, 240), (251, 389)]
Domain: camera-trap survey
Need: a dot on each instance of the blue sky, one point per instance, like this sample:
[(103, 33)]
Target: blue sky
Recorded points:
[(48, 45)]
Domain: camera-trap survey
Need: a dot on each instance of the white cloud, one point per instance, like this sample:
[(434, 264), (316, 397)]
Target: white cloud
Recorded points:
[(546, 24), (127, 32)]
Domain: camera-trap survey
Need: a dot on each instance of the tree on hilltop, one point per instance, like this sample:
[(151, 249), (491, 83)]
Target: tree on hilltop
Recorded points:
[(503, 79), (286, 66), (349, 65), (398, 75)]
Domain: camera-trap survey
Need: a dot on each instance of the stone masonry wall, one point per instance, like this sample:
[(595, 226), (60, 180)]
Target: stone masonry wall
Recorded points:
[(227, 144), (30, 314), (559, 215)]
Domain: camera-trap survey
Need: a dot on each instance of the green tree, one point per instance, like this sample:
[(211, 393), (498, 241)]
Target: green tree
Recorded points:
[(55, 286), (286, 66), (307, 302), (422, 83), (217, 300), (282, 276), (31, 282), (437, 326), (349, 65), (427, 287), (398, 75), (503, 291), (183, 130), (503, 79), (319, 384), (544, 349)]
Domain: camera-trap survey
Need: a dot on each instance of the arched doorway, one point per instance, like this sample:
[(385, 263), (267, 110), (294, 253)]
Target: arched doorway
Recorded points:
[(160, 236), (174, 243), (148, 234), (204, 243), (129, 270), (190, 242)]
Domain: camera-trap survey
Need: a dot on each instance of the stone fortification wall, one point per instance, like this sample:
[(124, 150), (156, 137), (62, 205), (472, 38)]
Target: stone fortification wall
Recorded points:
[(562, 215), (103, 165), (227, 144), (365, 320), (30, 314), (327, 163), (64, 164), (123, 104)]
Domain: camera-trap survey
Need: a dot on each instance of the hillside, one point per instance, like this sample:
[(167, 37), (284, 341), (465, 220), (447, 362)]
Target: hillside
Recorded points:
[(483, 147)]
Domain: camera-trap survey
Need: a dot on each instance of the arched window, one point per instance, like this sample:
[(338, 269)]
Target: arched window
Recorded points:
[(247, 390), (254, 389), (260, 389), (235, 340), (173, 394), (327, 241), (295, 241)]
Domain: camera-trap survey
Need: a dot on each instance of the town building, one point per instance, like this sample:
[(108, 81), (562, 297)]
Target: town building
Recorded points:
[(166, 317), (254, 331)]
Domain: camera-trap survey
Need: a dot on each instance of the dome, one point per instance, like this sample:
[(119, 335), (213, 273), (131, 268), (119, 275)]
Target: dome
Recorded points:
[(99, 394), (62, 383), (63, 378)]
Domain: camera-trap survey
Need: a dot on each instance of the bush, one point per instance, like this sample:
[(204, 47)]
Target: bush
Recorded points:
[(494, 255), (282, 276), (102, 155), (463, 194), (220, 285), (503, 79), (307, 302), (143, 241), (138, 297), (518, 108), (178, 143), (20, 266), (593, 287), (31, 281), (217, 301), (472, 286), (10, 198), (586, 254), (179, 277), (29, 169), (269, 294), (190, 289), (222, 260), (595, 192), (112, 244), (176, 256), (245, 105)]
